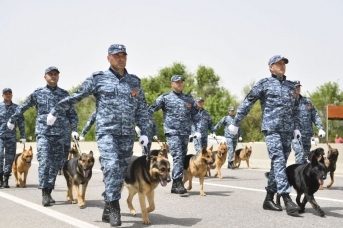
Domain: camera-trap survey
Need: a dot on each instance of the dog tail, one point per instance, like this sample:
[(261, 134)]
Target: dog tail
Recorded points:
[(266, 174)]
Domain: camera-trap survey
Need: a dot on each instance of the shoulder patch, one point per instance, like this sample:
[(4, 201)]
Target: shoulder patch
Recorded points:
[(97, 73)]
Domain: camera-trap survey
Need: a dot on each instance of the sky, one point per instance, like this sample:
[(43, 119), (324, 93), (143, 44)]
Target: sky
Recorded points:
[(236, 38)]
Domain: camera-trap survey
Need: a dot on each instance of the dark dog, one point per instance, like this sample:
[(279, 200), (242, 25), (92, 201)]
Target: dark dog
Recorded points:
[(242, 154), (196, 166), (78, 171), (318, 153), (306, 179), (21, 165), (330, 162), (142, 177)]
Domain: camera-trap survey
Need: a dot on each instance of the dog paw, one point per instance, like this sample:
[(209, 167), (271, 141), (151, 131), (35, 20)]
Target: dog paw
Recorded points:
[(82, 206), (73, 202), (202, 193), (147, 221), (321, 213), (133, 212)]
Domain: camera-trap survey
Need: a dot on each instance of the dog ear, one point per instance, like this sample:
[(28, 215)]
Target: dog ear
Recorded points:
[(91, 153), (211, 148), (314, 160)]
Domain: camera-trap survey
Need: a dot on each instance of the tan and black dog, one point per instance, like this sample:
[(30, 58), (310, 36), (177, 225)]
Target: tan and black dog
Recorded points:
[(78, 171), (219, 159), (196, 166), (164, 149), (330, 162), (242, 155), (21, 165), (142, 177)]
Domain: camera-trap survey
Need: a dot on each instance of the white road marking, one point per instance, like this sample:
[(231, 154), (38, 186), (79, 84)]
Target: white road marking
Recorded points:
[(49, 212)]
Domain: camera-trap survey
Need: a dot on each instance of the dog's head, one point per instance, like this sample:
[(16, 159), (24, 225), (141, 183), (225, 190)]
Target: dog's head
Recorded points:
[(86, 162), (222, 149), (160, 169), (318, 153), (318, 170), (332, 154), (248, 151), (207, 156), (27, 156)]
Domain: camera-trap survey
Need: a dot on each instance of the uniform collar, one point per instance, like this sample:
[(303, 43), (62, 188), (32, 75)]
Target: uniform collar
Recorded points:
[(177, 94), (116, 73), (279, 78), (51, 88)]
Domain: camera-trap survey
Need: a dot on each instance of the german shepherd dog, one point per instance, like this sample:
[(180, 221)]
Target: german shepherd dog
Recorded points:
[(78, 171), (219, 159), (242, 155), (21, 165), (196, 166), (164, 149), (330, 162), (142, 177), (306, 179)]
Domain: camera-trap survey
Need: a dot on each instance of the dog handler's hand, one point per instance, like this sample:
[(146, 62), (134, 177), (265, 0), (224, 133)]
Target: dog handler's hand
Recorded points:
[(10, 126), (321, 133), (197, 135), (82, 138), (155, 138), (50, 120), (240, 138), (138, 131), (143, 140), (233, 129), (297, 134), (75, 135), (23, 140)]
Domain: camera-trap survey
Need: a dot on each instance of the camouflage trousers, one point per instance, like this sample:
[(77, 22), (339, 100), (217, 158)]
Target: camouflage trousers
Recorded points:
[(8, 147), (200, 143), (231, 143), (279, 148), (178, 147), (50, 153), (115, 152), (301, 148)]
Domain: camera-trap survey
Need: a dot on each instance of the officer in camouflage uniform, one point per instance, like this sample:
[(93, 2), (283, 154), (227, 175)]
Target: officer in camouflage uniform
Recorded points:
[(88, 126), (50, 139), (308, 115), (231, 139), (8, 144), (179, 113), (206, 125), (120, 103), (280, 123)]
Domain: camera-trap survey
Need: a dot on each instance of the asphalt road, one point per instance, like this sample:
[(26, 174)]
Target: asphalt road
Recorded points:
[(234, 201)]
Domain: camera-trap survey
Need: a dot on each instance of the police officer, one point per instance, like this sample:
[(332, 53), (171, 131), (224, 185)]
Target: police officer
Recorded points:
[(206, 125), (280, 122), (179, 113), (308, 115), (120, 103), (8, 144), (88, 126), (50, 139), (231, 139)]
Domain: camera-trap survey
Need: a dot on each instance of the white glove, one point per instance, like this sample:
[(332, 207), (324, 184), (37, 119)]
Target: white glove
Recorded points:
[(233, 129), (10, 126), (155, 137), (197, 135), (214, 135), (321, 133), (297, 134), (23, 140), (143, 140), (75, 135), (240, 139), (50, 120), (82, 138), (138, 131)]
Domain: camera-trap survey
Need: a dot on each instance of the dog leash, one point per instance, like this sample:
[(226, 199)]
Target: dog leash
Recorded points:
[(77, 145), (147, 152)]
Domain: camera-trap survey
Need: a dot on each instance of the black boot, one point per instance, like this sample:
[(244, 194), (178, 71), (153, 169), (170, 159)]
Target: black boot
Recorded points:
[(269, 204), (45, 194), (1, 180), (114, 213), (178, 187), (6, 181), (291, 208), (51, 200), (106, 213), (230, 165)]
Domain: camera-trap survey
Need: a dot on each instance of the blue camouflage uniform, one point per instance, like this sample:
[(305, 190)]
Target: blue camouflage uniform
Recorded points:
[(89, 124), (206, 125), (8, 144), (279, 103), (153, 130), (50, 139), (231, 139), (308, 115), (179, 113), (120, 103)]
